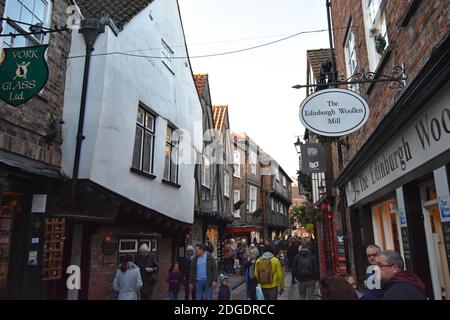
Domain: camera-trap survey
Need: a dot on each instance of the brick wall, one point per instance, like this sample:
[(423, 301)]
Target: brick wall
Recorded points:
[(23, 128), (411, 44), (103, 269)]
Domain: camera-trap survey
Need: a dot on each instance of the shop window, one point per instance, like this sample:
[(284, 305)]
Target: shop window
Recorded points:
[(128, 246), (430, 193), (385, 225), (9, 209), (131, 246), (52, 268)]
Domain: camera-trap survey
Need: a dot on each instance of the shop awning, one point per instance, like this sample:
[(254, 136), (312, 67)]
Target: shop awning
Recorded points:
[(233, 230)]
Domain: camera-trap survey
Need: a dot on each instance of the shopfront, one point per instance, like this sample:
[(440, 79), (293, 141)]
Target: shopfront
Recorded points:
[(400, 199)]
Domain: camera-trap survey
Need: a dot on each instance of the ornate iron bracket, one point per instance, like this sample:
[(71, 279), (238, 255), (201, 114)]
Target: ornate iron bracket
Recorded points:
[(396, 80)]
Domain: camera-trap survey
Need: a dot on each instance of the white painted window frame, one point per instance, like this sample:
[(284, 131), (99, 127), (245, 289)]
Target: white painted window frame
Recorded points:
[(374, 18), (237, 163), (236, 199), (226, 185), (19, 29), (135, 241)]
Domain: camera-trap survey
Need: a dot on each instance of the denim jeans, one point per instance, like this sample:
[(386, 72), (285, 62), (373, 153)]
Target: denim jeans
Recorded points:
[(173, 295), (203, 291), (270, 294)]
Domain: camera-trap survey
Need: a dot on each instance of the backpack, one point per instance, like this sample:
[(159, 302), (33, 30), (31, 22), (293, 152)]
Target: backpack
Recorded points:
[(265, 274), (305, 266)]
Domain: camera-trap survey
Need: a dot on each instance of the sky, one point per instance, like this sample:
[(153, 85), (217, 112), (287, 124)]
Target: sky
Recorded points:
[(256, 84)]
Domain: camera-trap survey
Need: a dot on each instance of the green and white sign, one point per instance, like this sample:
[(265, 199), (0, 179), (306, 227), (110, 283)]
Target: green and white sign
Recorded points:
[(23, 73)]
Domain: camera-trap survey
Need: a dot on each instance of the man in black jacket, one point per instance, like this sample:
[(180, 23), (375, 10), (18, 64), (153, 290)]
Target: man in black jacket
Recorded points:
[(399, 284), (306, 270), (185, 265), (291, 253), (146, 262)]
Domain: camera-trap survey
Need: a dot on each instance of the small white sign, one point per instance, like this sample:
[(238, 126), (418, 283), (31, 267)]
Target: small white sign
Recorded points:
[(34, 240), (39, 203), (334, 112), (32, 258), (444, 206)]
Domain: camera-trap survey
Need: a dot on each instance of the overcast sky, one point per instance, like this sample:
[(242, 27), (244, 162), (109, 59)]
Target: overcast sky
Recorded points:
[(256, 84)]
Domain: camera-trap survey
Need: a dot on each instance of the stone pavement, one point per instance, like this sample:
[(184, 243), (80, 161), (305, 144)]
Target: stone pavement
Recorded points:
[(290, 291)]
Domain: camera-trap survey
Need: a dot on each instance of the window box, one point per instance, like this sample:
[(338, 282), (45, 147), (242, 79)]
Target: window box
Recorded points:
[(170, 183), (142, 173)]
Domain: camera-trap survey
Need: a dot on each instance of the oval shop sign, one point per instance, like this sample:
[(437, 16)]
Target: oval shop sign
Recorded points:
[(334, 112)]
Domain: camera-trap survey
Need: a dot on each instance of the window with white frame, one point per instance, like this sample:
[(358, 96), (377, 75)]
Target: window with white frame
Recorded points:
[(253, 162), (236, 199), (237, 163), (167, 54), (171, 156), (226, 185), (277, 174), (144, 141), (133, 245), (376, 31), (35, 12), (272, 204), (253, 196), (350, 56), (206, 172), (284, 181), (128, 246)]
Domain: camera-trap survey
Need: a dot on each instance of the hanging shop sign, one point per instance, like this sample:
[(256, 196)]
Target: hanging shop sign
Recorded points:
[(334, 112), (419, 141), (313, 158), (23, 73)]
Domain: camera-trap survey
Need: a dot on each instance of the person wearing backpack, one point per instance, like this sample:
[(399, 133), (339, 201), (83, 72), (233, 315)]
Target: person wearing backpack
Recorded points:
[(306, 271), (250, 279), (269, 274)]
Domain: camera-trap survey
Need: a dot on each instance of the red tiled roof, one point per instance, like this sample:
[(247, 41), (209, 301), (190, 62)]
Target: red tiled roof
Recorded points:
[(200, 82), (316, 58), (120, 11), (219, 113)]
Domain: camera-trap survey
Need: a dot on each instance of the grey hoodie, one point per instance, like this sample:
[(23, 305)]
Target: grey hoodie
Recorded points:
[(128, 283), (267, 255)]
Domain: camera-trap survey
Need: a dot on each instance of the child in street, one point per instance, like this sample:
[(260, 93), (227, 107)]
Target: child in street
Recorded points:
[(224, 289), (175, 280)]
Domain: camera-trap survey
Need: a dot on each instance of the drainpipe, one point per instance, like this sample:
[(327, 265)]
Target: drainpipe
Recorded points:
[(90, 28), (330, 36)]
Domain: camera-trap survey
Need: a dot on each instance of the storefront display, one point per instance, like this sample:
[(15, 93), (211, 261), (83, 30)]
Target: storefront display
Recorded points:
[(53, 249), (8, 210)]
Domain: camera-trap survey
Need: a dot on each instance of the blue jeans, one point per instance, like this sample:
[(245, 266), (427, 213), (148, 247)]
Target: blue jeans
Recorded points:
[(173, 295), (203, 291)]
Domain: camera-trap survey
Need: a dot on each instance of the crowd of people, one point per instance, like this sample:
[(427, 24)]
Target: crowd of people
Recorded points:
[(263, 265)]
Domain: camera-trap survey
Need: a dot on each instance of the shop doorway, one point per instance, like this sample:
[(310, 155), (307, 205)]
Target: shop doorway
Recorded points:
[(435, 242)]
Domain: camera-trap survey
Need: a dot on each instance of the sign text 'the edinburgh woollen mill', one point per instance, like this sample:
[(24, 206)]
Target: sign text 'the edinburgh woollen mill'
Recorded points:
[(334, 112)]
